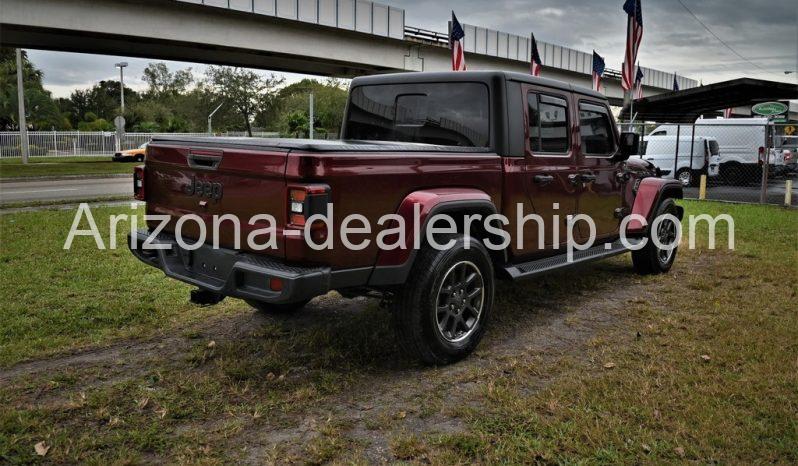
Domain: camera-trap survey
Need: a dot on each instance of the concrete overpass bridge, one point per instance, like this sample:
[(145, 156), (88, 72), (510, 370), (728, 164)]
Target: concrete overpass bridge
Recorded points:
[(342, 38)]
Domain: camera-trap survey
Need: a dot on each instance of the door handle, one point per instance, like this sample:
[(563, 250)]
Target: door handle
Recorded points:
[(581, 178), (543, 180)]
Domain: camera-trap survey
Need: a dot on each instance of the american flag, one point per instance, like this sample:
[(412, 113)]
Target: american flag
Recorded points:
[(598, 71), (535, 63), (675, 83), (639, 83), (634, 34), (727, 113), (456, 36)]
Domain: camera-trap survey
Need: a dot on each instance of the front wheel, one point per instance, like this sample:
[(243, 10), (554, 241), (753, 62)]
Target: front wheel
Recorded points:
[(685, 177), (652, 259), (441, 313)]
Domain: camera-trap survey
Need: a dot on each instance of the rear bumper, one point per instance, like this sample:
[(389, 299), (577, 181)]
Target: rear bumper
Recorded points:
[(242, 275)]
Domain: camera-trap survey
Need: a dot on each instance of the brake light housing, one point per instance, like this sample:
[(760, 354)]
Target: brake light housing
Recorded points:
[(306, 200), (138, 183)]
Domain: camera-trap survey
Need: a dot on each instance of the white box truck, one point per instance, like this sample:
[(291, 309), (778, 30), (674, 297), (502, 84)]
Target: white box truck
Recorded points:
[(742, 142), (688, 165)]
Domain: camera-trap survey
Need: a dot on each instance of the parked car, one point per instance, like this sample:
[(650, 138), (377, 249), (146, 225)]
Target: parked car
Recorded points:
[(415, 145), (741, 142), (131, 155), (789, 151), (703, 158)]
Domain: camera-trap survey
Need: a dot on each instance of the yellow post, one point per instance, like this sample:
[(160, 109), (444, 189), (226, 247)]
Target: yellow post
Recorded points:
[(702, 190), (787, 193)]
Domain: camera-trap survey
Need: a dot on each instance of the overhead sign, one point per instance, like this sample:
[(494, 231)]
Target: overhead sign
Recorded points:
[(769, 108)]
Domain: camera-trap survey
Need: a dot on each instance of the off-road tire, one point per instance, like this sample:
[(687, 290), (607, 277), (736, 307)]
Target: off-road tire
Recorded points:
[(416, 307), (269, 308), (649, 259)]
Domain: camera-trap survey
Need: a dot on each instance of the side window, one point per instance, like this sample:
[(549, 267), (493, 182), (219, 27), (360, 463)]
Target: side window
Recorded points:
[(661, 132), (548, 123), (596, 131)]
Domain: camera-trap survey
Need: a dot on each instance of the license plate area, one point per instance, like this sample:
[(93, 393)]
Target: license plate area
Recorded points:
[(205, 262)]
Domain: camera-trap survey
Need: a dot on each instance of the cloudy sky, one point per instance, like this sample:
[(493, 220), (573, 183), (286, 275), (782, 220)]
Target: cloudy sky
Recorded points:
[(763, 31)]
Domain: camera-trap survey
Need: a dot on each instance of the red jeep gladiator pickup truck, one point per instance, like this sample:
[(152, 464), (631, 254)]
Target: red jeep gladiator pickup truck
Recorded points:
[(416, 147)]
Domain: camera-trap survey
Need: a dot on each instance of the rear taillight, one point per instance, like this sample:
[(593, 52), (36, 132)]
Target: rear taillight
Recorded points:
[(761, 155), (138, 182), (306, 200)]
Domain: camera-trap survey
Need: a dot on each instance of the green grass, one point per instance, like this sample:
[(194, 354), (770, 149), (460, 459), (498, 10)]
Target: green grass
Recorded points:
[(59, 166), (712, 375), (215, 403), (54, 299)]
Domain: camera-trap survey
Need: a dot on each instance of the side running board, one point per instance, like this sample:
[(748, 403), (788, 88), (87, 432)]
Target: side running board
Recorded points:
[(560, 261)]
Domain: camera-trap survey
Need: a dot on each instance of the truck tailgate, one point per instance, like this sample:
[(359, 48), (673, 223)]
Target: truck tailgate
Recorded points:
[(190, 179)]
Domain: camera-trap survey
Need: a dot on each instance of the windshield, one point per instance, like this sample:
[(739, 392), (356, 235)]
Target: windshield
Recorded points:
[(143, 146), (452, 114)]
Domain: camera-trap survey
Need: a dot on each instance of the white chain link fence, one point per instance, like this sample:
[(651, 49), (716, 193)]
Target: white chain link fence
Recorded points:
[(743, 160), (87, 144)]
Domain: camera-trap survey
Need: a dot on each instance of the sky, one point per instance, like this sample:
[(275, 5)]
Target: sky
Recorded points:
[(764, 32)]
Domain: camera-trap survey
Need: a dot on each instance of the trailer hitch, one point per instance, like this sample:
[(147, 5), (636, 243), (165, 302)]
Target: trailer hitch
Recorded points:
[(205, 297)]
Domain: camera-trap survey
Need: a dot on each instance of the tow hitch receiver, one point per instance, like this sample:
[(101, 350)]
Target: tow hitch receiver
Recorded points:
[(205, 297)]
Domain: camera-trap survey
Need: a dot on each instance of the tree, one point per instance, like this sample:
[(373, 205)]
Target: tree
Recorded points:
[(329, 102), (41, 110), (165, 84), (101, 99), (246, 91)]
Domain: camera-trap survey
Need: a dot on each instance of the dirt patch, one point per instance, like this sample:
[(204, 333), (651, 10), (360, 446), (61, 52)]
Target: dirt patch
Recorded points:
[(329, 382)]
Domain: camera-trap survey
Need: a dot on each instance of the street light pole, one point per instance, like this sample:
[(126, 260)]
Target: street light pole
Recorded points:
[(23, 124), (121, 66), (210, 118), (310, 123)]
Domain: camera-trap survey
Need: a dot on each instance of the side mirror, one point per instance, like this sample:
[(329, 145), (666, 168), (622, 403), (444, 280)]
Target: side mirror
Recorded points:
[(629, 146)]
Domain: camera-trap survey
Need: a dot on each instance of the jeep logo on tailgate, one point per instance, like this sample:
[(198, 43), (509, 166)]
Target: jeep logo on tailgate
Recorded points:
[(204, 189)]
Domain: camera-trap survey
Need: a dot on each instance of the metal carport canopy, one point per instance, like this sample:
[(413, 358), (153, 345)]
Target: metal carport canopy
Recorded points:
[(687, 105)]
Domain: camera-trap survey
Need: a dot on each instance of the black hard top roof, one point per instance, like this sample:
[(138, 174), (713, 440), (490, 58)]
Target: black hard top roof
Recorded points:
[(466, 76)]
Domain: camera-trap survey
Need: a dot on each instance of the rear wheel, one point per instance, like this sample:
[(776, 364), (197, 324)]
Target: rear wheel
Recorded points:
[(652, 259), (269, 308), (441, 313)]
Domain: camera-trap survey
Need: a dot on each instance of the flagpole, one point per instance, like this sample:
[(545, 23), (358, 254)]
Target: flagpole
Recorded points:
[(631, 108)]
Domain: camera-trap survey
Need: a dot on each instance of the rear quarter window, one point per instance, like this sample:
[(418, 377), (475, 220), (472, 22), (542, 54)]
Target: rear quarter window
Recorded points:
[(452, 114)]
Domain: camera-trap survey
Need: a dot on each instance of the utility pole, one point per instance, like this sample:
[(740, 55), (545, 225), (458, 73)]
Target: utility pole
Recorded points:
[(210, 118), (310, 123), (23, 124), (121, 67)]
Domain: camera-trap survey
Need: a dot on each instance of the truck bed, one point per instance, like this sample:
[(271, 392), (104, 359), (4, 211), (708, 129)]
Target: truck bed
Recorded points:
[(311, 145)]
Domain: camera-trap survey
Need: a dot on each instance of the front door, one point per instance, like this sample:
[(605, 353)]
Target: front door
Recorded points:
[(601, 187)]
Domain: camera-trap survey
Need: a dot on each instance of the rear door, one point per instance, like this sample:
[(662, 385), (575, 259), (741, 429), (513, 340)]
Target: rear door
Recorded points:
[(548, 164), (600, 187)]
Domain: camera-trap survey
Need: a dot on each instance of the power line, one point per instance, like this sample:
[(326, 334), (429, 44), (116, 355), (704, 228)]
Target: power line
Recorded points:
[(721, 40)]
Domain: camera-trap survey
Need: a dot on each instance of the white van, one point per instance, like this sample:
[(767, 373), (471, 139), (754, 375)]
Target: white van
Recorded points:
[(689, 165), (740, 141)]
